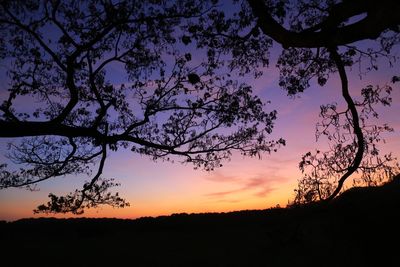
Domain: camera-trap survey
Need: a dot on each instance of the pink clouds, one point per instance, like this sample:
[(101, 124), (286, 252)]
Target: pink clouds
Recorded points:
[(259, 186)]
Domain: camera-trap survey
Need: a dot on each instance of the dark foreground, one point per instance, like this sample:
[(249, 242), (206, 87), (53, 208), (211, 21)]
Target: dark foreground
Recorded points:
[(361, 228)]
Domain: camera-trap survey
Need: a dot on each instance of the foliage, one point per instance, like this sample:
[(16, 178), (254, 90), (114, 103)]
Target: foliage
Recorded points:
[(61, 57), (323, 170), (319, 39), (178, 59)]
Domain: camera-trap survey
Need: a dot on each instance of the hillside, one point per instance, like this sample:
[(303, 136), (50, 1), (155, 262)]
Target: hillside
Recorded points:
[(360, 228)]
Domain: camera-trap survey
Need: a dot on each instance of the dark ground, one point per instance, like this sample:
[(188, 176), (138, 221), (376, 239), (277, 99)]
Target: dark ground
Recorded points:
[(360, 228)]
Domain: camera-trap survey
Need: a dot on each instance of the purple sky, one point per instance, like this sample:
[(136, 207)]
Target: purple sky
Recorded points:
[(162, 188)]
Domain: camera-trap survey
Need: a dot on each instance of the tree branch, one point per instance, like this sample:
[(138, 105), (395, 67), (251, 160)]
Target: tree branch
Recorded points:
[(355, 120), (380, 17)]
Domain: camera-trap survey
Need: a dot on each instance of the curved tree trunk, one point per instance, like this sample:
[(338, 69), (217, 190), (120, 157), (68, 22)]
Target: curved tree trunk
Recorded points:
[(355, 120)]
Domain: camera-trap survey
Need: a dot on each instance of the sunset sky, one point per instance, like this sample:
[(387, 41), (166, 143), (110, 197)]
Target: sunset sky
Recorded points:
[(163, 188)]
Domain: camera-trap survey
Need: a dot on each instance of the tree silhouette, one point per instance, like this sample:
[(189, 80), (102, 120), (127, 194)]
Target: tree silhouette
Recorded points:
[(174, 100), (66, 113), (320, 41)]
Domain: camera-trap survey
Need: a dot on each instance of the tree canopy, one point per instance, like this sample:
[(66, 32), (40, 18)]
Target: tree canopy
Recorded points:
[(172, 103), (181, 95), (321, 39)]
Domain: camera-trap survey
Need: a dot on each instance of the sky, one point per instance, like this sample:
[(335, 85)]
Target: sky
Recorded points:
[(163, 188)]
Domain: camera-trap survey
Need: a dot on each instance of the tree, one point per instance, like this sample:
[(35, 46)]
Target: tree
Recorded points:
[(325, 172), (321, 40), (59, 55), (176, 108)]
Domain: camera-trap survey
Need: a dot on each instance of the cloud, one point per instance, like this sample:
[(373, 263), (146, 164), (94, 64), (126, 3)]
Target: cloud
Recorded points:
[(221, 194), (228, 201), (255, 183), (260, 185), (217, 176), (265, 192)]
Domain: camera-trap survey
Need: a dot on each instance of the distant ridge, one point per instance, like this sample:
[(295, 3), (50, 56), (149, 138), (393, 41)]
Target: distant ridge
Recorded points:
[(362, 197), (359, 228)]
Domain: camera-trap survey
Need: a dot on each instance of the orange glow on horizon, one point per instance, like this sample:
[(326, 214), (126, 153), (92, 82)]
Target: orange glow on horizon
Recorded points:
[(164, 188)]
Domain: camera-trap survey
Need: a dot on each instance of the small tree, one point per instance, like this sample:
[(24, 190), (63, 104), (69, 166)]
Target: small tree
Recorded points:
[(320, 41), (326, 171)]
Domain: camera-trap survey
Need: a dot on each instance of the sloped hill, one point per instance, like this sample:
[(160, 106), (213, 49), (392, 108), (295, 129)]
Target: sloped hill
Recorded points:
[(360, 228)]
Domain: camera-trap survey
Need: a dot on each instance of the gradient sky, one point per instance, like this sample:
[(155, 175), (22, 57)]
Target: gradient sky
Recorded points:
[(163, 188)]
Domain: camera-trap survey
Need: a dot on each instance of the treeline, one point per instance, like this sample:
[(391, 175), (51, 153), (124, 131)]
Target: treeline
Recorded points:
[(356, 199), (358, 229)]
